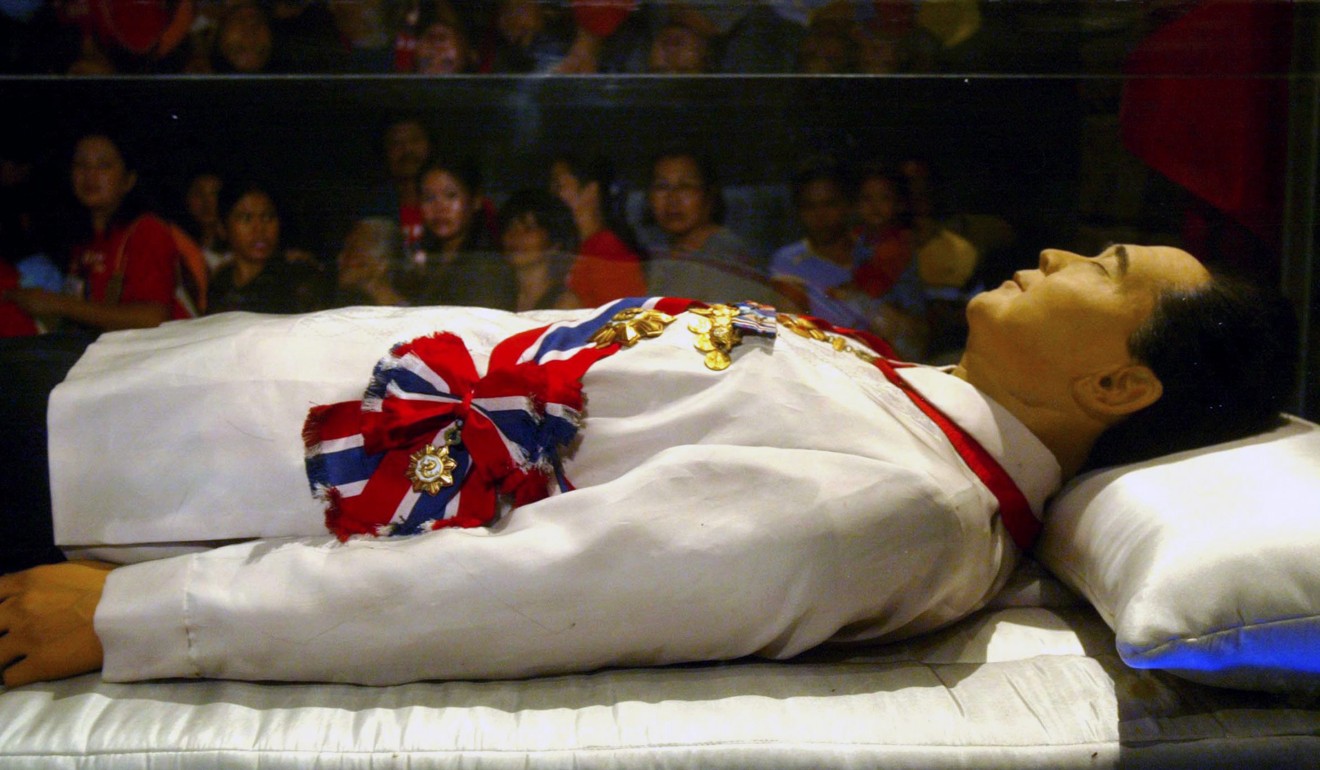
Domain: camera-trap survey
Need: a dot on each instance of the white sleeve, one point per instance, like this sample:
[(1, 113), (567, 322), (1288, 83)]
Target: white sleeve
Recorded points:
[(702, 553)]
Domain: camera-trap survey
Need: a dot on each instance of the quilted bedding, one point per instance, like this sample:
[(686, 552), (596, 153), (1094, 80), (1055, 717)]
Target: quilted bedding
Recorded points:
[(1032, 681)]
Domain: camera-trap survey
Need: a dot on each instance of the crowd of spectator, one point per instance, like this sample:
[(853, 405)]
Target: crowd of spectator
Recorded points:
[(873, 254), (437, 37)]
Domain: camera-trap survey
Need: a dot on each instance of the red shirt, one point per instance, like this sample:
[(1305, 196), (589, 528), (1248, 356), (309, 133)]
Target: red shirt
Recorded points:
[(606, 269), (145, 251), (13, 321)]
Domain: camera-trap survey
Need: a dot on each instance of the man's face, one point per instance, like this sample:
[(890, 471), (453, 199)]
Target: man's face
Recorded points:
[(1073, 315), (678, 196), (441, 50), (246, 40), (406, 150), (823, 210)]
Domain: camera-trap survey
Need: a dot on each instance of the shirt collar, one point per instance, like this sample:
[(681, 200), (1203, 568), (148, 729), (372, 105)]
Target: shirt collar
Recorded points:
[(1032, 466)]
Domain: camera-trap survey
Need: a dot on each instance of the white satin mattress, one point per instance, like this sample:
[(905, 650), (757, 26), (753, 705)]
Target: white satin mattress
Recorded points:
[(1032, 681)]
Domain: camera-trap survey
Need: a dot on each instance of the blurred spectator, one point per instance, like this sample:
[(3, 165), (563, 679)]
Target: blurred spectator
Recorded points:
[(458, 264), (133, 38), (201, 203), (259, 278), (434, 40), (607, 265), (692, 254), (22, 265), (875, 38), (596, 21), (371, 256), (538, 239), (677, 49), (367, 27), (886, 247), (406, 146), (124, 269), (256, 36), (244, 40), (19, 243), (806, 271), (533, 36), (689, 38)]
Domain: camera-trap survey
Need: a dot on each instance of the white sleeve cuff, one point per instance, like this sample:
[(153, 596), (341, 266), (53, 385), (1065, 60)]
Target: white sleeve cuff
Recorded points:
[(142, 622)]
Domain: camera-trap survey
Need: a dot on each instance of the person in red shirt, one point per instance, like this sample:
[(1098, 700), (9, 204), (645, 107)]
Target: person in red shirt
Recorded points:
[(607, 267), (125, 273)]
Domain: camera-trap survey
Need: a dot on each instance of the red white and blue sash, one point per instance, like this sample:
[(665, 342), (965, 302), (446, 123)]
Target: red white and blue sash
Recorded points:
[(502, 431), (1014, 509), (512, 422)]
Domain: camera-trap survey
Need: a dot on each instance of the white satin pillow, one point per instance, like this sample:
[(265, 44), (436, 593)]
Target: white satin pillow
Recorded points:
[(1205, 563)]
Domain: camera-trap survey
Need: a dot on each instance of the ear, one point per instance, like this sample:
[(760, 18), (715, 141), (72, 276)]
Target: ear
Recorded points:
[(1118, 392)]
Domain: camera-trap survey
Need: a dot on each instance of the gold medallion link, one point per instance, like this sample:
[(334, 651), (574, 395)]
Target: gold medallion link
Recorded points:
[(716, 334), (805, 327), (629, 326)]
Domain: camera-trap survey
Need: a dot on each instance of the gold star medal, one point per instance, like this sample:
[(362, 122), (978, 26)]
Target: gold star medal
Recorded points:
[(431, 469)]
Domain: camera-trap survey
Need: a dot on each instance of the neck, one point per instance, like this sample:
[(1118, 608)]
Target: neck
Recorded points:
[(533, 283), (696, 237), (1048, 412), (838, 249), (246, 270), (101, 220), (408, 193)]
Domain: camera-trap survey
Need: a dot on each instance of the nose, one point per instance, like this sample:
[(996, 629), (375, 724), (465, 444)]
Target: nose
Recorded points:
[(1053, 259)]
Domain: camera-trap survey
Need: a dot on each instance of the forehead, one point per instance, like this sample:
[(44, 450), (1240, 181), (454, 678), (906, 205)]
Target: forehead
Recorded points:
[(678, 165), (1157, 267), (96, 146), (405, 132)]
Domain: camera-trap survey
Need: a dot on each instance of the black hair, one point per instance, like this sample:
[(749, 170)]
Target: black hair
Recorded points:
[(464, 170), (137, 202), (232, 192), (613, 194), (821, 169), (897, 180), (1226, 355), (550, 213)]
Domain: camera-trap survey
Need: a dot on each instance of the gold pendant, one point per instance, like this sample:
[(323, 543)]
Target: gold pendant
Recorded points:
[(629, 326), (716, 334), (431, 469)]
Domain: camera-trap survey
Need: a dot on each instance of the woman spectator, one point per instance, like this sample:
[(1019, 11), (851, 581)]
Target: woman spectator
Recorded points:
[(259, 277), (887, 268), (533, 36), (458, 263), (434, 41), (695, 255), (538, 237), (124, 269), (607, 265), (201, 201)]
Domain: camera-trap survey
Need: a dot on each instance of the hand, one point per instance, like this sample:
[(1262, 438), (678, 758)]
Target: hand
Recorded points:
[(46, 621), (37, 302)]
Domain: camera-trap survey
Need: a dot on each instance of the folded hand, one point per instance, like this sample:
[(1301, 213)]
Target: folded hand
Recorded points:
[(46, 621)]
